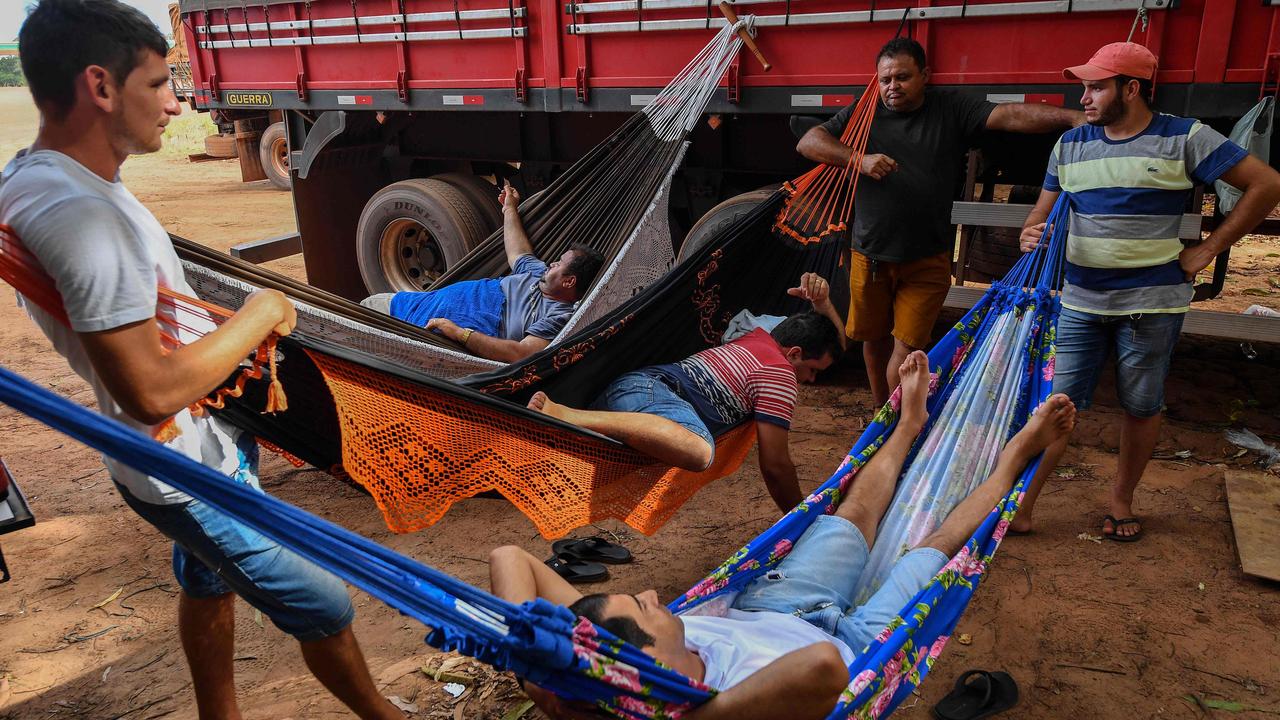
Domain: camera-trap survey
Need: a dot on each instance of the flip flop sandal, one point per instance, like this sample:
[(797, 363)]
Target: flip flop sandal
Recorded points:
[(1115, 527), (592, 548), (577, 571), (978, 694)]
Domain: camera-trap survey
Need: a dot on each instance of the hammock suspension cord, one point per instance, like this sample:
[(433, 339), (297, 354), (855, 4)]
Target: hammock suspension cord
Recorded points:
[(822, 199)]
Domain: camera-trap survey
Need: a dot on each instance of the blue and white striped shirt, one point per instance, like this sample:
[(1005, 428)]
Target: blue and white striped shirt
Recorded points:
[(1127, 200)]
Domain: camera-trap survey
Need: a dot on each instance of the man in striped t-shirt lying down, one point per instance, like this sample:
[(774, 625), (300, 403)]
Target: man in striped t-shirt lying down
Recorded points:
[(675, 412), (1129, 174)]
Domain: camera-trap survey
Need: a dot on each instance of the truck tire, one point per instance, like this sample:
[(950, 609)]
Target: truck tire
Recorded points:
[(482, 194), (273, 150), (222, 145), (412, 231), (720, 217)]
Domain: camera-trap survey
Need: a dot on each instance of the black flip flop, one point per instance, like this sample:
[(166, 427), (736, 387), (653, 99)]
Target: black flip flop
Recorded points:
[(595, 549), (577, 571), (1115, 527), (978, 694)]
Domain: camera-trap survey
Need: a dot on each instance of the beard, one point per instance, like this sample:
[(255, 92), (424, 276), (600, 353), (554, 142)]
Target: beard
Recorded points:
[(1109, 114), (128, 141)]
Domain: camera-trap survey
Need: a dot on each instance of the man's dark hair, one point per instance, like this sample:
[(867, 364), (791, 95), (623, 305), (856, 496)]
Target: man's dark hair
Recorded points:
[(584, 266), (60, 38), (813, 333), (1146, 88), (591, 607), (903, 46)]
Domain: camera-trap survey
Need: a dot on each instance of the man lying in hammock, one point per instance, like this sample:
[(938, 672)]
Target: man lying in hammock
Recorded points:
[(784, 648), (675, 412), (505, 319)]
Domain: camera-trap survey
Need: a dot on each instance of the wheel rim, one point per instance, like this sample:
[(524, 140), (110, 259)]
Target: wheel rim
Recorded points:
[(280, 156), (412, 258)]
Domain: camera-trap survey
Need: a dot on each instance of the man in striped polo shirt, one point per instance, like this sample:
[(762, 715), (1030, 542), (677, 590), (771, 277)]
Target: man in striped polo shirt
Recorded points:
[(1129, 173), (675, 412)]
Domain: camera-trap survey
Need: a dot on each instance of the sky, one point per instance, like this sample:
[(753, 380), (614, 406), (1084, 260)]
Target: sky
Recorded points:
[(13, 12)]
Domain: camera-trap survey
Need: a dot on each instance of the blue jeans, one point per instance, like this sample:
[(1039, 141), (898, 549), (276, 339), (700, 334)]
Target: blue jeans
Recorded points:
[(1143, 347), (645, 393), (213, 555), (816, 581)]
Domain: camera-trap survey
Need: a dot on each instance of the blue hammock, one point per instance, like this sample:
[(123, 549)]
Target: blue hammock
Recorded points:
[(993, 368)]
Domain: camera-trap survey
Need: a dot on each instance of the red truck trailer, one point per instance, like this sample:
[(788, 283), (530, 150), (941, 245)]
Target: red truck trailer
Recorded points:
[(452, 96)]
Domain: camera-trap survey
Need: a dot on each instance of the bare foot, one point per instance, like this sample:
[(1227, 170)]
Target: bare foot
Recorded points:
[(1055, 417), (914, 377), (544, 405)]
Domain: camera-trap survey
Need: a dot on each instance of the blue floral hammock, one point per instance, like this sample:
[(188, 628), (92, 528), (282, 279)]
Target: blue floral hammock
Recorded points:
[(991, 371)]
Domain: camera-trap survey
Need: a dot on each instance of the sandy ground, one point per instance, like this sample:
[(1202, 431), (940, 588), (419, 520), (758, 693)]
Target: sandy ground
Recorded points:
[(1088, 629)]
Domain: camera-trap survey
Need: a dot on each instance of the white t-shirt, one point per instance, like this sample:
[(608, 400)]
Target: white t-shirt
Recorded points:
[(106, 254), (734, 647)]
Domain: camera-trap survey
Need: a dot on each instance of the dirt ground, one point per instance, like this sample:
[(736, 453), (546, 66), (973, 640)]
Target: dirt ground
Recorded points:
[(1088, 629)]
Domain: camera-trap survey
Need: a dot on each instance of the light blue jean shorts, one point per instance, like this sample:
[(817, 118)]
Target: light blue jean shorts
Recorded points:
[(815, 582), (644, 392), (213, 555)]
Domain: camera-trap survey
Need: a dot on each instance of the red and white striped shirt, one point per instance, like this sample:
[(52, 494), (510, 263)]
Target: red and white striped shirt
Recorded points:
[(729, 383)]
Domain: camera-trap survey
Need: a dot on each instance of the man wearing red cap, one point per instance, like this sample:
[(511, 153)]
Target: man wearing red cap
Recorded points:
[(1129, 173)]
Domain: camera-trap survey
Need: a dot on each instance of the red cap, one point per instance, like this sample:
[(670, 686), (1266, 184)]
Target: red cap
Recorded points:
[(1118, 58)]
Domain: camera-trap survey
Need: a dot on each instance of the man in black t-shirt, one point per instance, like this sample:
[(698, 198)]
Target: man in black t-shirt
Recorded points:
[(902, 235)]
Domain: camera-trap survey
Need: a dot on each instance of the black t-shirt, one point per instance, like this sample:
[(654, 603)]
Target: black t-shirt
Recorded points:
[(907, 215)]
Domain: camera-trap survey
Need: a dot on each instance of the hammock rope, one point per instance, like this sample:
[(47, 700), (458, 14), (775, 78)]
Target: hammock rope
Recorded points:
[(543, 643)]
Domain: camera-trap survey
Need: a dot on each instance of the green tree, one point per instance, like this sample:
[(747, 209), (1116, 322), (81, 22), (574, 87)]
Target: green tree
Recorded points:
[(11, 73)]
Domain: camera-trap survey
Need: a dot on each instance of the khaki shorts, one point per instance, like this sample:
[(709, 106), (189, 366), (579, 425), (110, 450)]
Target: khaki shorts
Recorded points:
[(899, 299)]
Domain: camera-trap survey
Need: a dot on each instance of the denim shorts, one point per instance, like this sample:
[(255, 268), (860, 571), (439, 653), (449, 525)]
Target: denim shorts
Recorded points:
[(1143, 348), (815, 582), (214, 555), (643, 392)]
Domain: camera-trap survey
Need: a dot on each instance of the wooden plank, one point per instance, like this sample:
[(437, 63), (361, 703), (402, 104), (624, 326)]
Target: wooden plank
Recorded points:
[(1013, 215), (1253, 499), (1207, 323), (268, 249)]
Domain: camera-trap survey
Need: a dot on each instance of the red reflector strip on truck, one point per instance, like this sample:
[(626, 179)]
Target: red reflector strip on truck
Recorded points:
[(355, 99), (462, 99)]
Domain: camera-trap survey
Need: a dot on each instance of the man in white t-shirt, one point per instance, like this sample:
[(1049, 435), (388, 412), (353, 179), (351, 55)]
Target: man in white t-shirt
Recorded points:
[(97, 72), (794, 630)]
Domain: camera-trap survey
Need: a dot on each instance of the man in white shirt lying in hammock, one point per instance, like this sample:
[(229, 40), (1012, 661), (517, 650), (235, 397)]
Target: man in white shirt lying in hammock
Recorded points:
[(509, 318), (784, 647), (675, 412)]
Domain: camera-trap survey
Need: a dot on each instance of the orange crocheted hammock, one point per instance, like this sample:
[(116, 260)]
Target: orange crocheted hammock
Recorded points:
[(418, 450)]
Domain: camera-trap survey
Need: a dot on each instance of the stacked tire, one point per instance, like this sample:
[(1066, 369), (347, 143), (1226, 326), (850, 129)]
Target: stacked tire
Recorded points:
[(222, 145)]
